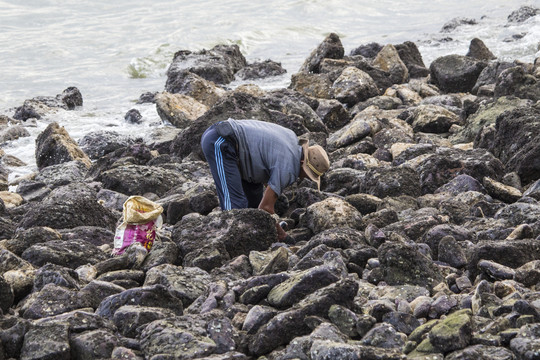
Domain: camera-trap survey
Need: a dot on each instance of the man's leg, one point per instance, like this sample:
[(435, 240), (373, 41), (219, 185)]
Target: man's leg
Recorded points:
[(254, 193), (222, 158)]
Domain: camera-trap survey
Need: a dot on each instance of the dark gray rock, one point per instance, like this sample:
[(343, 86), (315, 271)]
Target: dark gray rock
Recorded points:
[(522, 14), (518, 82), (451, 252), (403, 264), (163, 252), (285, 326), (526, 344), (410, 55), (93, 344), (479, 50), (133, 116), (369, 50), (67, 207), (455, 73), (218, 64), (457, 22), (70, 254), (12, 133), (92, 234), (384, 336), (519, 213), (129, 318), (260, 70), (57, 275), (12, 332), (69, 99), (382, 182), (96, 291), (460, 184), (186, 283), (332, 113), (224, 236), (6, 295), (490, 74), (154, 296), (51, 300), (98, 143), (330, 48), (62, 174), (32, 191), (528, 274), (46, 341), (55, 146), (402, 322)]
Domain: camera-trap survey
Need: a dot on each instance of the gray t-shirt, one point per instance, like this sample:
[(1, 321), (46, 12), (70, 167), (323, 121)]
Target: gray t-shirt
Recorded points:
[(268, 153)]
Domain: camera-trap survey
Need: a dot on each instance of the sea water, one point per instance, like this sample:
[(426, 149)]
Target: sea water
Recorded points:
[(114, 51)]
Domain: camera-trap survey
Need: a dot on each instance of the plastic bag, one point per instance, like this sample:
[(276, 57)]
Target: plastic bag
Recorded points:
[(140, 220)]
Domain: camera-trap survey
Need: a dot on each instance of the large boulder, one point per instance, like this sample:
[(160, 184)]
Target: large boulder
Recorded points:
[(69, 253), (67, 207), (410, 55), (62, 174), (310, 84), (392, 181), (433, 119), (218, 64), (479, 50), (98, 143), (331, 48), (354, 85), (516, 142), (190, 84), (210, 241), (331, 213), (55, 146), (388, 60), (261, 70), (40, 106), (456, 73), (518, 81)]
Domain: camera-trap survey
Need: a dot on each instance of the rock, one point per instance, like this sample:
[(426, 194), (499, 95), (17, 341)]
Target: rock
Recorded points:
[(455, 73), (98, 143), (457, 22), (218, 64), (178, 109), (225, 235), (260, 70), (70, 254), (479, 51), (67, 207), (269, 262), (330, 48), (6, 295), (384, 336), (58, 275), (515, 125), (55, 146), (190, 84), (40, 106), (356, 130), (522, 14), (403, 264), (187, 284), (140, 179), (388, 60), (285, 326), (433, 119), (451, 252), (452, 333), (410, 55), (133, 116), (12, 133), (460, 184), (353, 86), (391, 182), (484, 117), (331, 213), (369, 50), (91, 234), (528, 274), (129, 318), (518, 82), (11, 199), (501, 191), (46, 341), (299, 286), (333, 114), (154, 296), (62, 174), (526, 344), (182, 337), (93, 344), (162, 253), (315, 85)]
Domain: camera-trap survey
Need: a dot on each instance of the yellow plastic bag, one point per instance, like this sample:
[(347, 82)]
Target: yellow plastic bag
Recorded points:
[(141, 219)]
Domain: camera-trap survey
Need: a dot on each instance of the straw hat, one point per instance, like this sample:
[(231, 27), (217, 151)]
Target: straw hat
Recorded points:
[(315, 161)]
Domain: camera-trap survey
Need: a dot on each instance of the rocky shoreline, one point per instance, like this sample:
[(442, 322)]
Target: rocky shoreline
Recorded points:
[(424, 242)]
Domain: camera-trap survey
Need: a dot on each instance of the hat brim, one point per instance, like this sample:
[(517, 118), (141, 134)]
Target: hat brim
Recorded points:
[(311, 175)]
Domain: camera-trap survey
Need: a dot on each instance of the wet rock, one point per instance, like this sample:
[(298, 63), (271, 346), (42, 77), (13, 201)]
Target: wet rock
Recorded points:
[(403, 264), (455, 73), (46, 341), (369, 50), (40, 106), (353, 86), (331, 213), (410, 55), (388, 60), (186, 284), (260, 70), (70, 254), (98, 143), (218, 64), (67, 207), (518, 82), (457, 22), (12, 133), (178, 109), (133, 116), (331, 48), (522, 14), (479, 50)]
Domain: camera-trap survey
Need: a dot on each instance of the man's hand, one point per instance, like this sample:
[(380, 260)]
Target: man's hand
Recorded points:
[(267, 204)]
